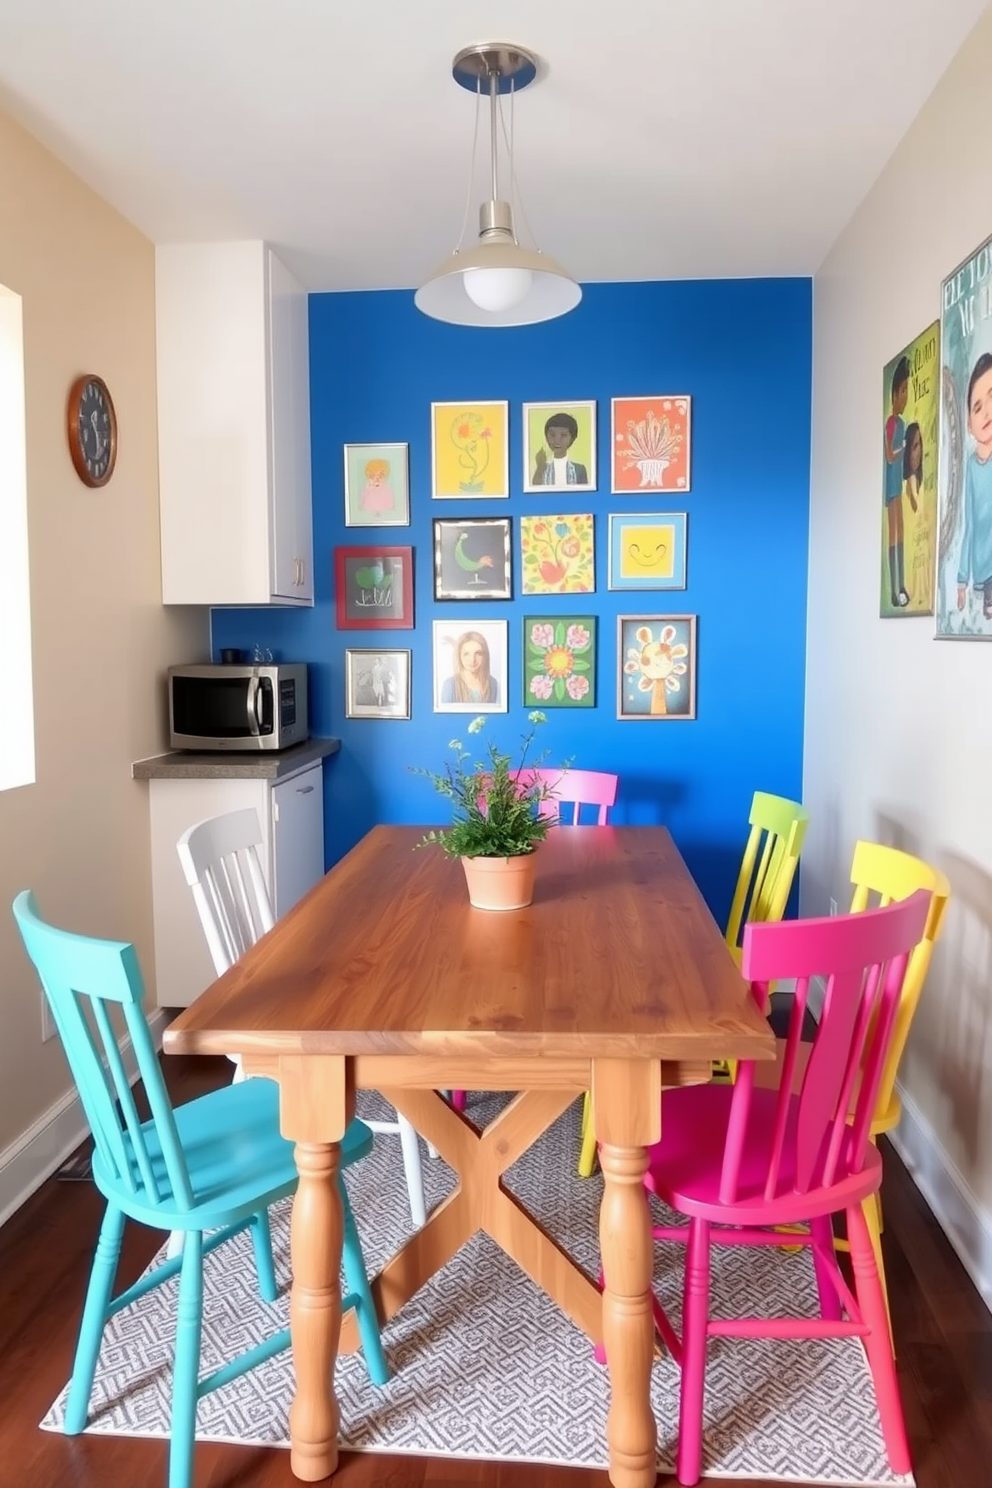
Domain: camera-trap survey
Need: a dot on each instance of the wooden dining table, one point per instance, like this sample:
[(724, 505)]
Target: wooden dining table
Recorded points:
[(616, 979)]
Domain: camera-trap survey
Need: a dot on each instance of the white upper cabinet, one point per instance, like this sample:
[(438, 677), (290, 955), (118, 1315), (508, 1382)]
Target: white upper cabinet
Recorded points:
[(233, 426)]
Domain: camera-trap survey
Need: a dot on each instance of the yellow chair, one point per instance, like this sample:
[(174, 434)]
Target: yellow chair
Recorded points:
[(778, 830)]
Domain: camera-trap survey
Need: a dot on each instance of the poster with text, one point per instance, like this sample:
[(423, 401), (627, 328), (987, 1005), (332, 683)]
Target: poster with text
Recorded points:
[(964, 485), (910, 399)]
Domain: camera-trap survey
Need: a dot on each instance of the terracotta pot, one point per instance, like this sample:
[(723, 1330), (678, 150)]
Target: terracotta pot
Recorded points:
[(500, 883)]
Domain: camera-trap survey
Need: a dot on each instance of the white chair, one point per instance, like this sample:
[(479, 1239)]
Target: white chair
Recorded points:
[(221, 863)]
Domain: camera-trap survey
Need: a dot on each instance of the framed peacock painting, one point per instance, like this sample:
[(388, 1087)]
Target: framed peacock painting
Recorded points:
[(373, 588), (472, 558)]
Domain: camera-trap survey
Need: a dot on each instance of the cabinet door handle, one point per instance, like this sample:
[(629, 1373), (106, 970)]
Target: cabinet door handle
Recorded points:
[(304, 790)]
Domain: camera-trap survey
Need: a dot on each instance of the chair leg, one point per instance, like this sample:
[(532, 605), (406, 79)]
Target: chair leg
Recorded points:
[(871, 1301), (261, 1237), (822, 1232), (357, 1280), (587, 1156), (872, 1211), (98, 1294), (186, 1364), (458, 1099), (412, 1169), (695, 1316)]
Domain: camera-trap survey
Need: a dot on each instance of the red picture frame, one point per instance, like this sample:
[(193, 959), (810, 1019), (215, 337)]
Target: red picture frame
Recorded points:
[(373, 588)]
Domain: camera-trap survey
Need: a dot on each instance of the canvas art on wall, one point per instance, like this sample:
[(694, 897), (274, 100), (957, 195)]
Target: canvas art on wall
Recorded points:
[(560, 661), (910, 396), (651, 440), (472, 558), (469, 450), (647, 550), (376, 485), (557, 555), (470, 666), (373, 588), (964, 554), (656, 666), (559, 446), (377, 684)]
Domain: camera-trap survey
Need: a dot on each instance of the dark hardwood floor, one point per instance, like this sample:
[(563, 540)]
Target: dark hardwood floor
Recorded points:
[(943, 1338)]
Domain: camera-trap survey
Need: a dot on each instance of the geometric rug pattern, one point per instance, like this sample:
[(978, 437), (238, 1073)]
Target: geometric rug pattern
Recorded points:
[(483, 1364)]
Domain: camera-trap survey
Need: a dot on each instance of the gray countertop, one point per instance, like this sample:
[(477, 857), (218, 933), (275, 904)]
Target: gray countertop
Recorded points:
[(182, 764)]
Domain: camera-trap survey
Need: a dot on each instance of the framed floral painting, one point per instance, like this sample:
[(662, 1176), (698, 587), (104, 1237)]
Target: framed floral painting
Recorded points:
[(469, 451), (373, 588), (557, 555), (656, 667), (559, 446), (376, 485), (560, 661), (651, 443)]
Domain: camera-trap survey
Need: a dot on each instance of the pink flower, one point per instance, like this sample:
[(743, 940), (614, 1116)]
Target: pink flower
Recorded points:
[(577, 637), (541, 686), (542, 635), (577, 687)]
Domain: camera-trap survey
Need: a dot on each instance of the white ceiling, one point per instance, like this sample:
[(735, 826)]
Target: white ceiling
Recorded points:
[(663, 139)]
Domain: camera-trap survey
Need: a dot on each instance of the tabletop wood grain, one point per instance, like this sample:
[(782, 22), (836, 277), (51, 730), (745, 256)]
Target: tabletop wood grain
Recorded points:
[(617, 956)]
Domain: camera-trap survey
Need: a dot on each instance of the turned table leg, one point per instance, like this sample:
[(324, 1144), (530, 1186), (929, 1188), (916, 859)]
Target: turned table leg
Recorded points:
[(315, 1311)]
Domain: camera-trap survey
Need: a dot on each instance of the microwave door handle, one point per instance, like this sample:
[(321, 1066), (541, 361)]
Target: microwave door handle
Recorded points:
[(254, 700)]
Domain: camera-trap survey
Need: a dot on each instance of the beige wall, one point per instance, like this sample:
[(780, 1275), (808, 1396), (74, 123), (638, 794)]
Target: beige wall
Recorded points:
[(898, 725), (101, 638)]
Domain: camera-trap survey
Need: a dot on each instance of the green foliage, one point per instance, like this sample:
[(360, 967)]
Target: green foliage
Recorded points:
[(492, 816)]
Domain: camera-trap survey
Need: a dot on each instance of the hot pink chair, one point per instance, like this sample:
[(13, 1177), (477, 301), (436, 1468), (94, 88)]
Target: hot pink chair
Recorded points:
[(573, 790), (737, 1160)]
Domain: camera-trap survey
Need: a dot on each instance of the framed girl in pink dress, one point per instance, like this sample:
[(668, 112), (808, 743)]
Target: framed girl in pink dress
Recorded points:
[(376, 485)]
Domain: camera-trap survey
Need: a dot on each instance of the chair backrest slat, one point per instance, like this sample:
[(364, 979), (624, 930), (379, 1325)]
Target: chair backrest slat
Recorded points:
[(573, 789), (768, 866), (220, 860), (83, 979)]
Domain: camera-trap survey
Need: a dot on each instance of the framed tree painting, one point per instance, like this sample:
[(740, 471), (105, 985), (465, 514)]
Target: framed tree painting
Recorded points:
[(472, 558), (557, 554), (647, 550), (376, 485), (560, 661), (656, 667), (559, 446), (377, 684), (964, 544), (651, 443), (469, 451), (373, 588), (470, 666)]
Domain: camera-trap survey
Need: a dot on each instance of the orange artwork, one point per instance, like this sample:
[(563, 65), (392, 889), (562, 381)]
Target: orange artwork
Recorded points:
[(651, 443)]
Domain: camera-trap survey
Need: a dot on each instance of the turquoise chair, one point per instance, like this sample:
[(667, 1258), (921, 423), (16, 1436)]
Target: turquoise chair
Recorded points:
[(214, 1164)]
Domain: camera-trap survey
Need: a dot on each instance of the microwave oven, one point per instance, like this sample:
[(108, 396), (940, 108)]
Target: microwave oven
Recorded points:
[(237, 707)]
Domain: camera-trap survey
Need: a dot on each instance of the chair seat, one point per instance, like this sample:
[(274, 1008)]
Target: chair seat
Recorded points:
[(684, 1167), (232, 1131)]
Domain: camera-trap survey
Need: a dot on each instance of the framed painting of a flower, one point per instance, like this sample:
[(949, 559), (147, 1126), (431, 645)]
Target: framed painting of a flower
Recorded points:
[(560, 661), (656, 666), (651, 443), (557, 555), (469, 450)]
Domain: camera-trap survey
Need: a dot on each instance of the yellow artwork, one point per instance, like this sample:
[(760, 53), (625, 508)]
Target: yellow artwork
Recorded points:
[(469, 450), (648, 552)]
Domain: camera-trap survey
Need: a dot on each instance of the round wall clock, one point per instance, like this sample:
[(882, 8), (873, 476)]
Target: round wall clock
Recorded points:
[(92, 428)]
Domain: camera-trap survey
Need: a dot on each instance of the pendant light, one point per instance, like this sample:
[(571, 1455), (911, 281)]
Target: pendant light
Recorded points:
[(497, 282)]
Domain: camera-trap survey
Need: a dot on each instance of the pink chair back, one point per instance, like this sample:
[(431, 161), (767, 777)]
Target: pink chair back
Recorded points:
[(574, 789), (863, 959)]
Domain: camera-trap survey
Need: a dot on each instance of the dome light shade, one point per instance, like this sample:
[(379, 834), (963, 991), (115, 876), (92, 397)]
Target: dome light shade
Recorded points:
[(497, 289)]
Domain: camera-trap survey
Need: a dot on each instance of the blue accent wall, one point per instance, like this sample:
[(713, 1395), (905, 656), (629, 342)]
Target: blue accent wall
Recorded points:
[(742, 350)]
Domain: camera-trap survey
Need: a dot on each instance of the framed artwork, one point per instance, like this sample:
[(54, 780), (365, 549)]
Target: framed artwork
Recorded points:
[(656, 666), (910, 400), (469, 450), (647, 550), (472, 558), (560, 661), (559, 446), (964, 481), (557, 554), (377, 684), (470, 666), (651, 442), (373, 588), (376, 485)]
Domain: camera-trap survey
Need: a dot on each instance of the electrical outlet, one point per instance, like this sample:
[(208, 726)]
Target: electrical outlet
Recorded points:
[(48, 1029), (833, 906)]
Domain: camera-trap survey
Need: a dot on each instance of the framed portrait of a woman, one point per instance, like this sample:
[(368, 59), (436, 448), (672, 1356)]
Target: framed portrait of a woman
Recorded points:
[(470, 666)]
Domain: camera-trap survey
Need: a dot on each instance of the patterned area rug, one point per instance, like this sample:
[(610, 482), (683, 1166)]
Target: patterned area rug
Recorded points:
[(485, 1365)]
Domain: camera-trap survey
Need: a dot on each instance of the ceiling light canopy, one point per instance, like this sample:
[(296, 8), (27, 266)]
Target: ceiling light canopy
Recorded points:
[(497, 282)]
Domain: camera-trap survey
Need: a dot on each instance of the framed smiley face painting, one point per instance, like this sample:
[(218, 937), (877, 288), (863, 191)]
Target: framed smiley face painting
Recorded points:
[(647, 550), (91, 427)]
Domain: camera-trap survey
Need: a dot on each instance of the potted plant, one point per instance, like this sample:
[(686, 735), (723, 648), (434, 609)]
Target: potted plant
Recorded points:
[(497, 820)]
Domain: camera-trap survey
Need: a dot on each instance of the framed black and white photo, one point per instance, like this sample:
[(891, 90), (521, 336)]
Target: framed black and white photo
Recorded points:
[(377, 684), (472, 558)]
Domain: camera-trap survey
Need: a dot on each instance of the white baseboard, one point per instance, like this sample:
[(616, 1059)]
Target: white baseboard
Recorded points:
[(47, 1143)]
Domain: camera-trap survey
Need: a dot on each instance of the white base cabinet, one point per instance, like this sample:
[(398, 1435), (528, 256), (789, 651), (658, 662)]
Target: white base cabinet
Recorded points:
[(291, 815)]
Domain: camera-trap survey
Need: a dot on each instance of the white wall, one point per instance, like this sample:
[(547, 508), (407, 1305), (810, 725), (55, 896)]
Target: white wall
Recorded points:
[(899, 725)]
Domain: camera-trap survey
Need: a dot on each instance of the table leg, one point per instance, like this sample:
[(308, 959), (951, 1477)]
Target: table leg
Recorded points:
[(627, 1103), (316, 1233)]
